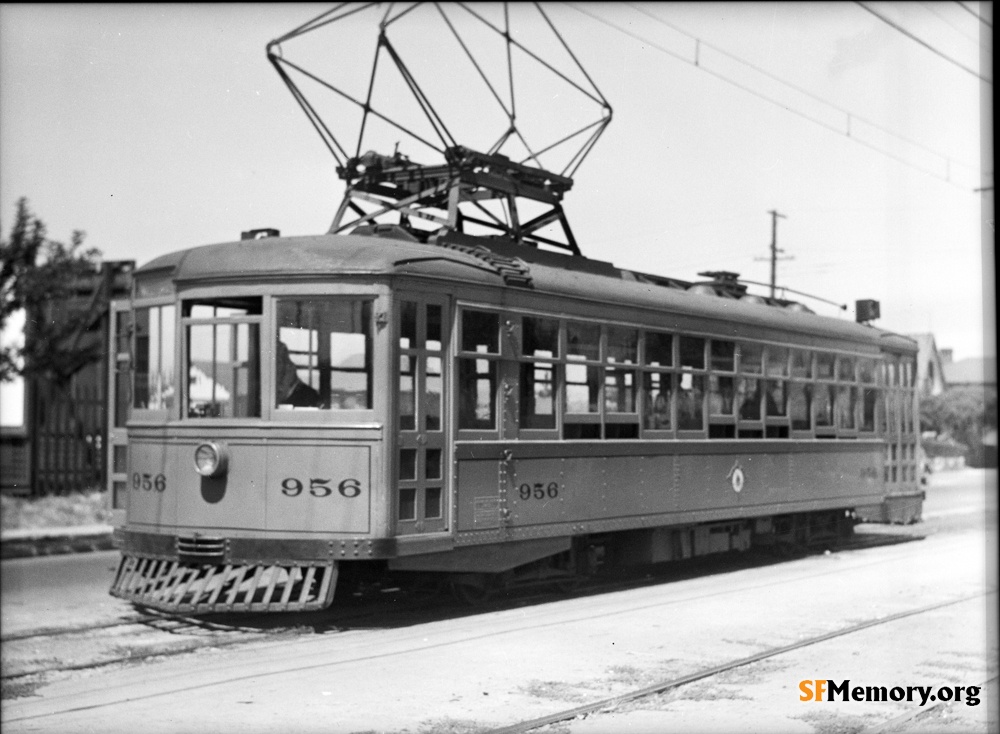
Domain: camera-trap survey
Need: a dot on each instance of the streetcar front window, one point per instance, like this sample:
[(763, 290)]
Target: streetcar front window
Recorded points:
[(222, 337), (323, 354)]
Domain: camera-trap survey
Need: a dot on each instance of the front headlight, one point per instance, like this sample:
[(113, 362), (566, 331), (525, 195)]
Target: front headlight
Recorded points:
[(211, 459)]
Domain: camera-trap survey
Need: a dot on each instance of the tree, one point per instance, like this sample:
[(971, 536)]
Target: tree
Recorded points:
[(40, 276), (962, 412)]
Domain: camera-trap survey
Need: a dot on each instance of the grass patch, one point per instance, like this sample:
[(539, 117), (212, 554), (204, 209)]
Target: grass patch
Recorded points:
[(18, 689), (72, 510), (453, 726), (552, 690)]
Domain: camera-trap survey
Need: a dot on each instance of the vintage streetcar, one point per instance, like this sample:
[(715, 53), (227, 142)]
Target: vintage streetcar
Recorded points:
[(440, 388), (474, 407)]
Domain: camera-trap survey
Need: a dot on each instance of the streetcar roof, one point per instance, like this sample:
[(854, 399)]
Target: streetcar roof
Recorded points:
[(318, 256)]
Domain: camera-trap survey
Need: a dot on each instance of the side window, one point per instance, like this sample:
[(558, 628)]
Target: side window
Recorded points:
[(583, 381), (538, 370), (800, 391), (323, 354), (749, 387), (154, 386), (657, 381), (479, 354), (722, 389), (122, 367), (621, 382), (691, 384)]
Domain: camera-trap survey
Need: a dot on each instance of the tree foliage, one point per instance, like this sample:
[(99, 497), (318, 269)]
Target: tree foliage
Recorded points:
[(39, 275), (963, 413)]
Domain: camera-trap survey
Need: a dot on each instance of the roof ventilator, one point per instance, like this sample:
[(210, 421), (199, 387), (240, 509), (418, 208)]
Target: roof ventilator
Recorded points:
[(513, 270)]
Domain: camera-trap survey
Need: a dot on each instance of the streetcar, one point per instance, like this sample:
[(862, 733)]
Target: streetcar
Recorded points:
[(404, 396)]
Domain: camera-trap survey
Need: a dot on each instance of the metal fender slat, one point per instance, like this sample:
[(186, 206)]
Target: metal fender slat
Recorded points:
[(125, 570), (218, 589), (235, 580), (165, 586), (182, 588), (328, 587), (275, 572), (202, 590), (248, 596), (134, 576), (306, 583), (287, 593), (157, 579), (139, 578), (200, 581), (175, 583)]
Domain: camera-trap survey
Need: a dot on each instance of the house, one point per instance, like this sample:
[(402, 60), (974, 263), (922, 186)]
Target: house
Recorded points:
[(977, 373), (930, 365)]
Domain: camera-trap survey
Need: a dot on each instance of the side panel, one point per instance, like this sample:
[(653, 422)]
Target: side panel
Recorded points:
[(479, 501), (635, 485)]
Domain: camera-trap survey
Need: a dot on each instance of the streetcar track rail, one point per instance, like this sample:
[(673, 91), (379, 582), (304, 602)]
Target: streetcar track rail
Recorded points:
[(891, 724), (612, 702)]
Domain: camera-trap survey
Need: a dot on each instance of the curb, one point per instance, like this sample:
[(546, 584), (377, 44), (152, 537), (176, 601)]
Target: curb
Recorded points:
[(55, 541)]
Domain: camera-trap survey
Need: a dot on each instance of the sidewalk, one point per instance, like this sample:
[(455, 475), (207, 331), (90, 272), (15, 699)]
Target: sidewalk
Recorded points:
[(52, 541)]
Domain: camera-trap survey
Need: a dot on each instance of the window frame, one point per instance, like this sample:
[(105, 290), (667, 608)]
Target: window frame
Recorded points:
[(317, 415), (186, 322), (156, 415), (497, 359)]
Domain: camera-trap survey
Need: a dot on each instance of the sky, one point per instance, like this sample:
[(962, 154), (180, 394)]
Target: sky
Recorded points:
[(155, 128)]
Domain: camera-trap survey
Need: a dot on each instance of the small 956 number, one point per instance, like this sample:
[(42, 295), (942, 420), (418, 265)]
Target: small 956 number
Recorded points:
[(149, 482), (538, 490)]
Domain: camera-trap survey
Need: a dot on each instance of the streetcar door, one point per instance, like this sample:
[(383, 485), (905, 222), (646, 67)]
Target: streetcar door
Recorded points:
[(119, 399), (422, 497)]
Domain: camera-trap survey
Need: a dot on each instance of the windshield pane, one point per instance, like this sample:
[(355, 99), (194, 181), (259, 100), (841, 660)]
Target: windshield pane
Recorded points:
[(323, 354)]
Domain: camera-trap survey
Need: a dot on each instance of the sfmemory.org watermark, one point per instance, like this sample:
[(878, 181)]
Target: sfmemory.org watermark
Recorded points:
[(831, 690)]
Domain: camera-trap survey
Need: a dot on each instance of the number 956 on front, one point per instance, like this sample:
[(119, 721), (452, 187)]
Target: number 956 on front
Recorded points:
[(320, 490)]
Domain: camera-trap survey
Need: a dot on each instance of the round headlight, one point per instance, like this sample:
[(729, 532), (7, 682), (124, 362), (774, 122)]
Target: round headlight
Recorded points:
[(211, 459)]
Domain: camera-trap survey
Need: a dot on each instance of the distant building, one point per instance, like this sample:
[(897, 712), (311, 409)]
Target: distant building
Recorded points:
[(930, 365), (978, 372), (975, 371), (61, 443)]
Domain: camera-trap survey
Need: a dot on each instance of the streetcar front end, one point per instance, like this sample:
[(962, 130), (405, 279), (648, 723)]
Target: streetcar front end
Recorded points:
[(256, 430)]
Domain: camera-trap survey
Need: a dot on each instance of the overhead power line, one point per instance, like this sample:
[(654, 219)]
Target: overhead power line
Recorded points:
[(924, 43), (967, 9), (788, 108), (930, 8), (851, 116)]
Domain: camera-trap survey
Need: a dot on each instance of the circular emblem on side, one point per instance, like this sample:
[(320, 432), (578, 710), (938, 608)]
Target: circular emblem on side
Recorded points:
[(736, 476)]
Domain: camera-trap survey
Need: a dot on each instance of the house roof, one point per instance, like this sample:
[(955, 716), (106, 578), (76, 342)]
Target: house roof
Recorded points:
[(972, 371)]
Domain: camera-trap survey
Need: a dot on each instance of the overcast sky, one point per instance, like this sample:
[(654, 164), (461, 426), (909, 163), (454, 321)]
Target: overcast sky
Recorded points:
[(160, 127)]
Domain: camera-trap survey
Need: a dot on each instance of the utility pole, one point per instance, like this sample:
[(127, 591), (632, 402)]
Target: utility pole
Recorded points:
[(775, 249)]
